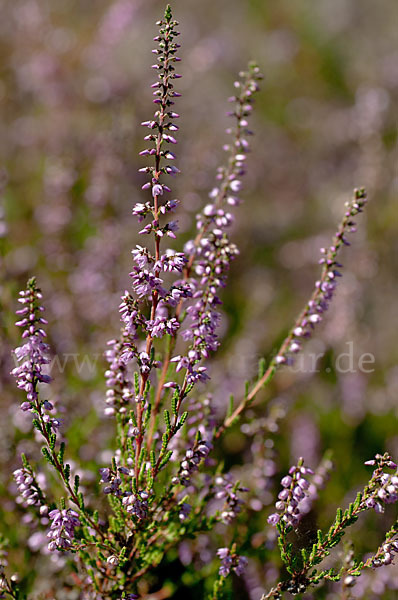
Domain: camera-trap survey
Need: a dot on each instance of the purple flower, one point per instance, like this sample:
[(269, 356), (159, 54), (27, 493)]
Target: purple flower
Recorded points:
[(62, 529), (274, 519), (28, 488), (145, 282), (383, 487), (142, 256), (295, 489), (227, 491), (193, 457), (141, 210), (231, 560), (157, 190), (137, 504), (162, 326), (171, 261)]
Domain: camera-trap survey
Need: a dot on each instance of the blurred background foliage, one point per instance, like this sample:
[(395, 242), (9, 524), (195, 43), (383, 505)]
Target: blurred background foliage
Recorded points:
[(74, 85)]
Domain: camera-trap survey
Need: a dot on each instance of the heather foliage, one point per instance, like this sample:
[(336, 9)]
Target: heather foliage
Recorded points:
[(166, 474)]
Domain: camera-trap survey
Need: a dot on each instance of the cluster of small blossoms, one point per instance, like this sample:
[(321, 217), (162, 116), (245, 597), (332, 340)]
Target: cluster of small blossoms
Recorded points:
[(193, 457), (137, 504), (111, 477), (62, 529), (295, 488), (325, 287), (383, 487), (231, 560), (216, 254), (227, 491), (386, 553), (120, 389), (33, 354), (211, 252), (30, 491)]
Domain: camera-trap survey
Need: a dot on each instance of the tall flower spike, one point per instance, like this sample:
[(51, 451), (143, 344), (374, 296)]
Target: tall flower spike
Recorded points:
[(311, 315), (162, 126), (325, 287), (33, 354), (147, 283)]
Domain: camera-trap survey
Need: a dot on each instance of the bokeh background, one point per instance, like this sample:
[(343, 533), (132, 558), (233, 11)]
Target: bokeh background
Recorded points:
[(74, 85)]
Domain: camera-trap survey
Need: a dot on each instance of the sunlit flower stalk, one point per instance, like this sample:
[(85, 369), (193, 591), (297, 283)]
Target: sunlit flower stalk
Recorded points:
[(313, 311)]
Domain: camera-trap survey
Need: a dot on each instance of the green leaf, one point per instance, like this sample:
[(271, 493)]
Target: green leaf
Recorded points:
[(36, 424), (358, 500), (231, 406), (165, 459), (313, 553), (61, 453), (339, 517), (142, 457), (320, 537), (67, 472), (147, 415), (48, 457), (133, 418), (174, 402), (136, 384), (182, 420), (165, 441), (261, 367), (167, 420)]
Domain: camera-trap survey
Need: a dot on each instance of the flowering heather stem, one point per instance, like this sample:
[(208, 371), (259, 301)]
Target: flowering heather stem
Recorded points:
[(226, 193), (310, 315), (29, 375), (381, 489), (163, 123)]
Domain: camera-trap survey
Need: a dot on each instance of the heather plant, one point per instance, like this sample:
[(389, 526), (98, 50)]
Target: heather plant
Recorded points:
[(165, 491)]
